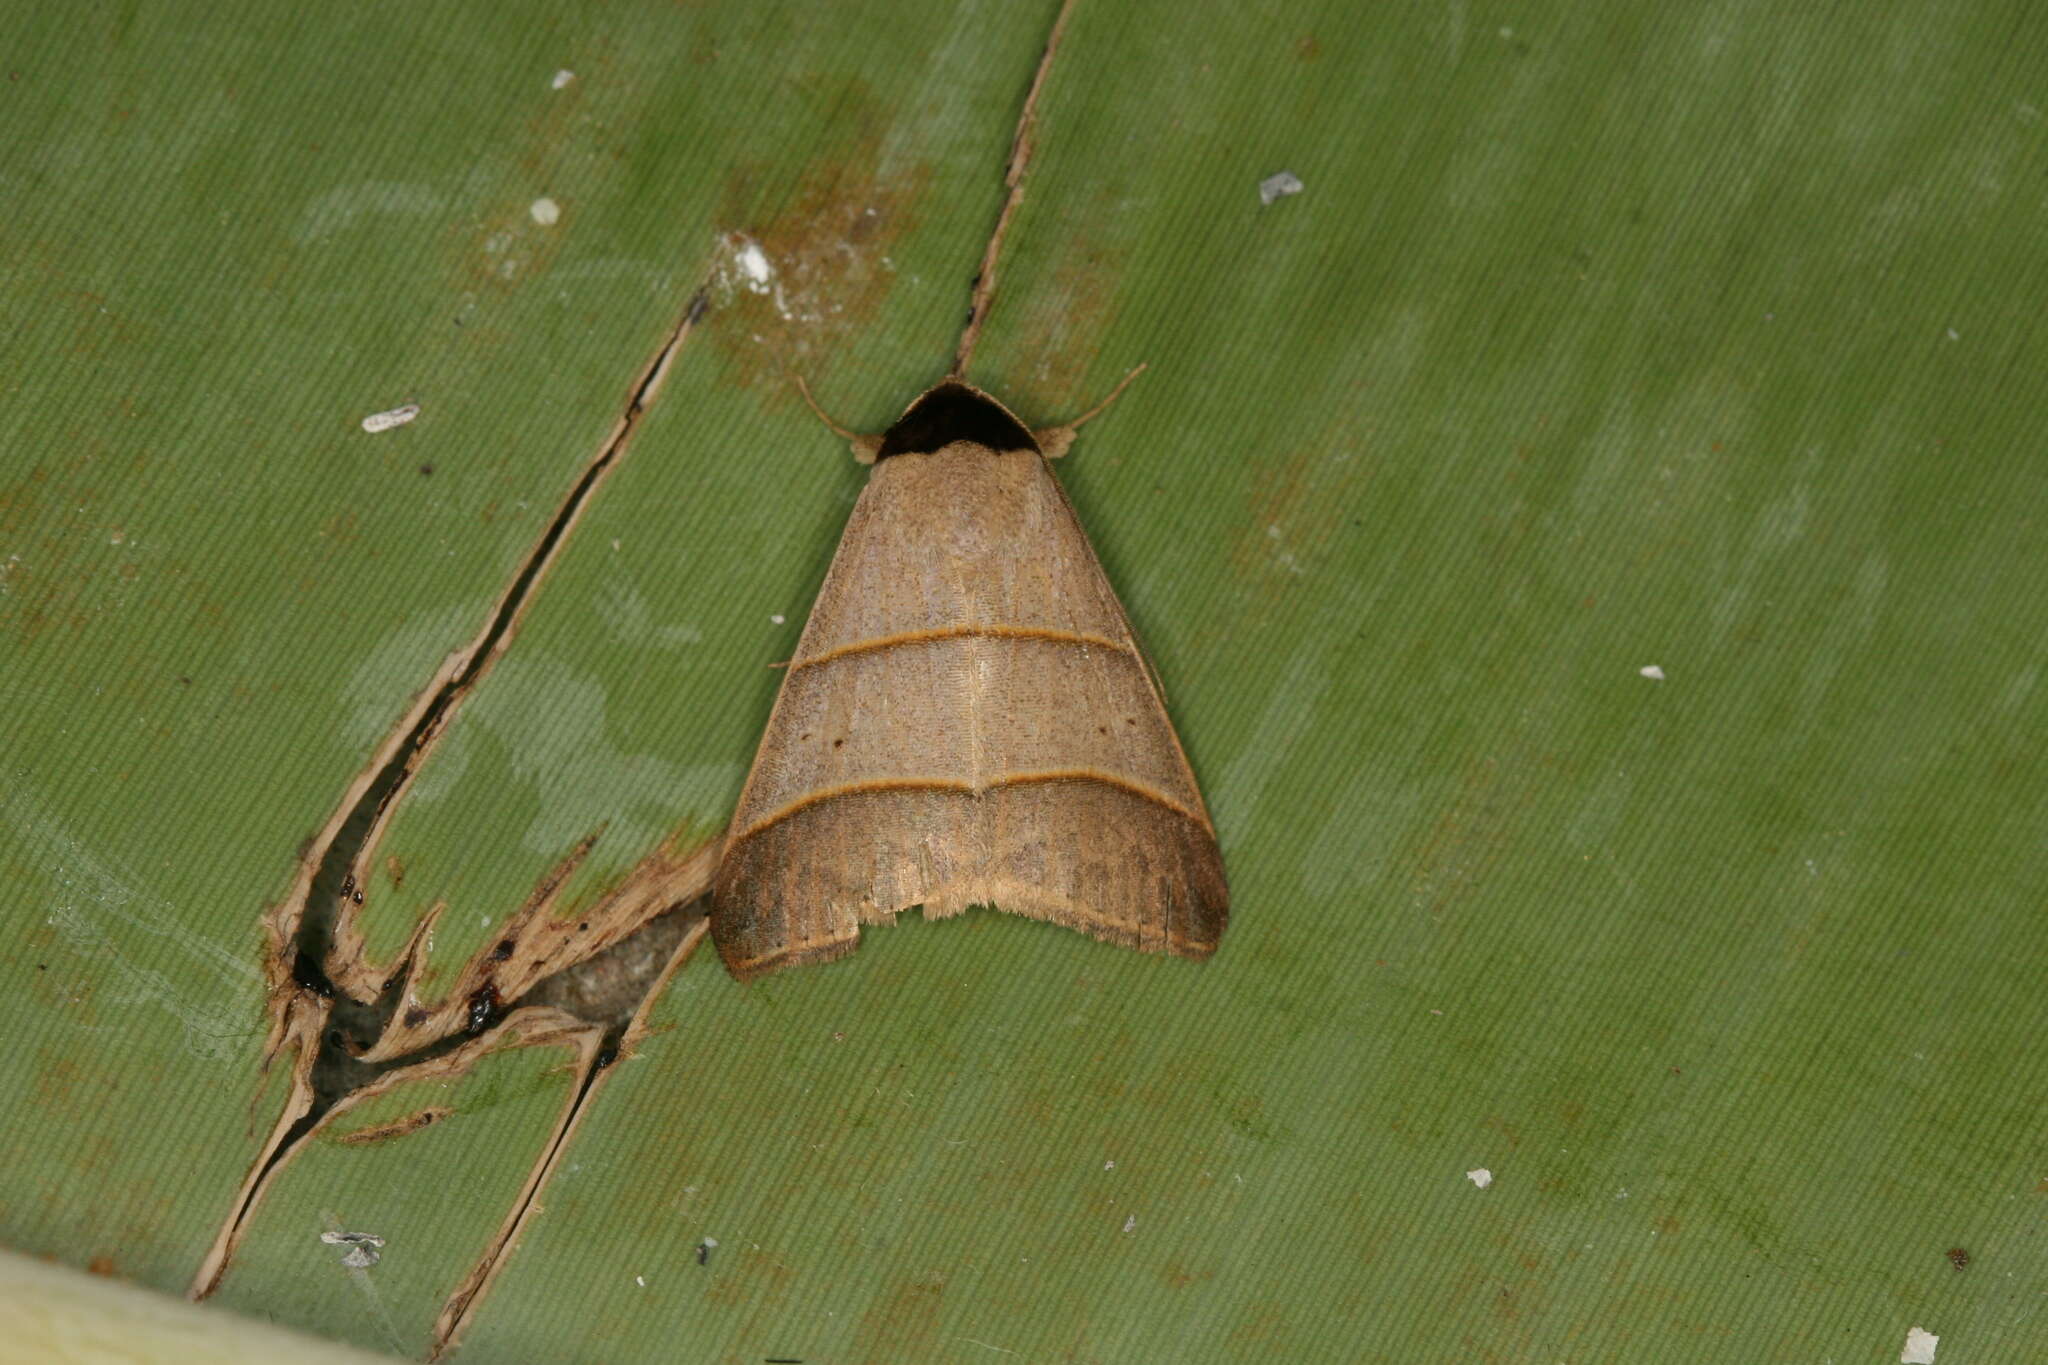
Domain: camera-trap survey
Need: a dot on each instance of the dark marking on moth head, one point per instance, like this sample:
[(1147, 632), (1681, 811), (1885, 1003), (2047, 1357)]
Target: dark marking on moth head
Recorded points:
[(951, 412)]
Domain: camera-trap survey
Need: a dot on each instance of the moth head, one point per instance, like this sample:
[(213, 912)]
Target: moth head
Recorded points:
[(953, 411)]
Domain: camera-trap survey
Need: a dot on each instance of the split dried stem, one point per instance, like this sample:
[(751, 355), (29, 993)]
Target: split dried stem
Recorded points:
[(328, 1003), (1013, 182)]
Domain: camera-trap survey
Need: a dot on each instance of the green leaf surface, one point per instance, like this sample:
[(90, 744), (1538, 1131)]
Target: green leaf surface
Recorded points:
[(421, 1192), (1601, 338)]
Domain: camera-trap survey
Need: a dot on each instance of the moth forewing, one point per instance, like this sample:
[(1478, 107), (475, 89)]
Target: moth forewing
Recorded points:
[(968, 720)]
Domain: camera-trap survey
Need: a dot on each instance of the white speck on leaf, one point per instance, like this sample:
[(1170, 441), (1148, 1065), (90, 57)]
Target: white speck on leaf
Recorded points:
[(1652, 672), (1131, 1223), (562, 78), (1954, 335), (394, 417), (1919, 1349), (1279, 186), (776, 618), (363, 1247), (1109, 1165), (546, 211), (1480, 1177), (640, 1280)]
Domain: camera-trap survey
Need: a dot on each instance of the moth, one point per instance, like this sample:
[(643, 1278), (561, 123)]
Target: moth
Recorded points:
[(967, 720)]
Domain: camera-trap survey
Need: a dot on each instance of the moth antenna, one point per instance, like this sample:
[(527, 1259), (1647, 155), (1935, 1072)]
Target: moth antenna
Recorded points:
[(805, 390), (1114, 394), (865, 448), (1054, 441)]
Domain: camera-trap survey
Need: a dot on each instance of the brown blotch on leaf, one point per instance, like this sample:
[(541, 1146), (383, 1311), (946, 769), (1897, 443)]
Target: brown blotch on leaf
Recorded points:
[(1060, 319), (397, 1128), (1296, 505), (904, 1324), (1959, 1258), (828, 241)]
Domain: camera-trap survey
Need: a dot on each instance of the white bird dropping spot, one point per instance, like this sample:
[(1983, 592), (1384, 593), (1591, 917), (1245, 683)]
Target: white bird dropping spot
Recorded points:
[(396, 417), (1480, 1177), (1279, 186), (562, 78), (546, 212), (640, 1280), (754, 262), (1131, 1223), (776, 618), (1920, 1344), (1652, 672)]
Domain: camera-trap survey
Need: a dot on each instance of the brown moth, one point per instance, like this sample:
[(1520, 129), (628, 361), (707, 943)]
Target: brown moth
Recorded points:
[(967, 721)]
